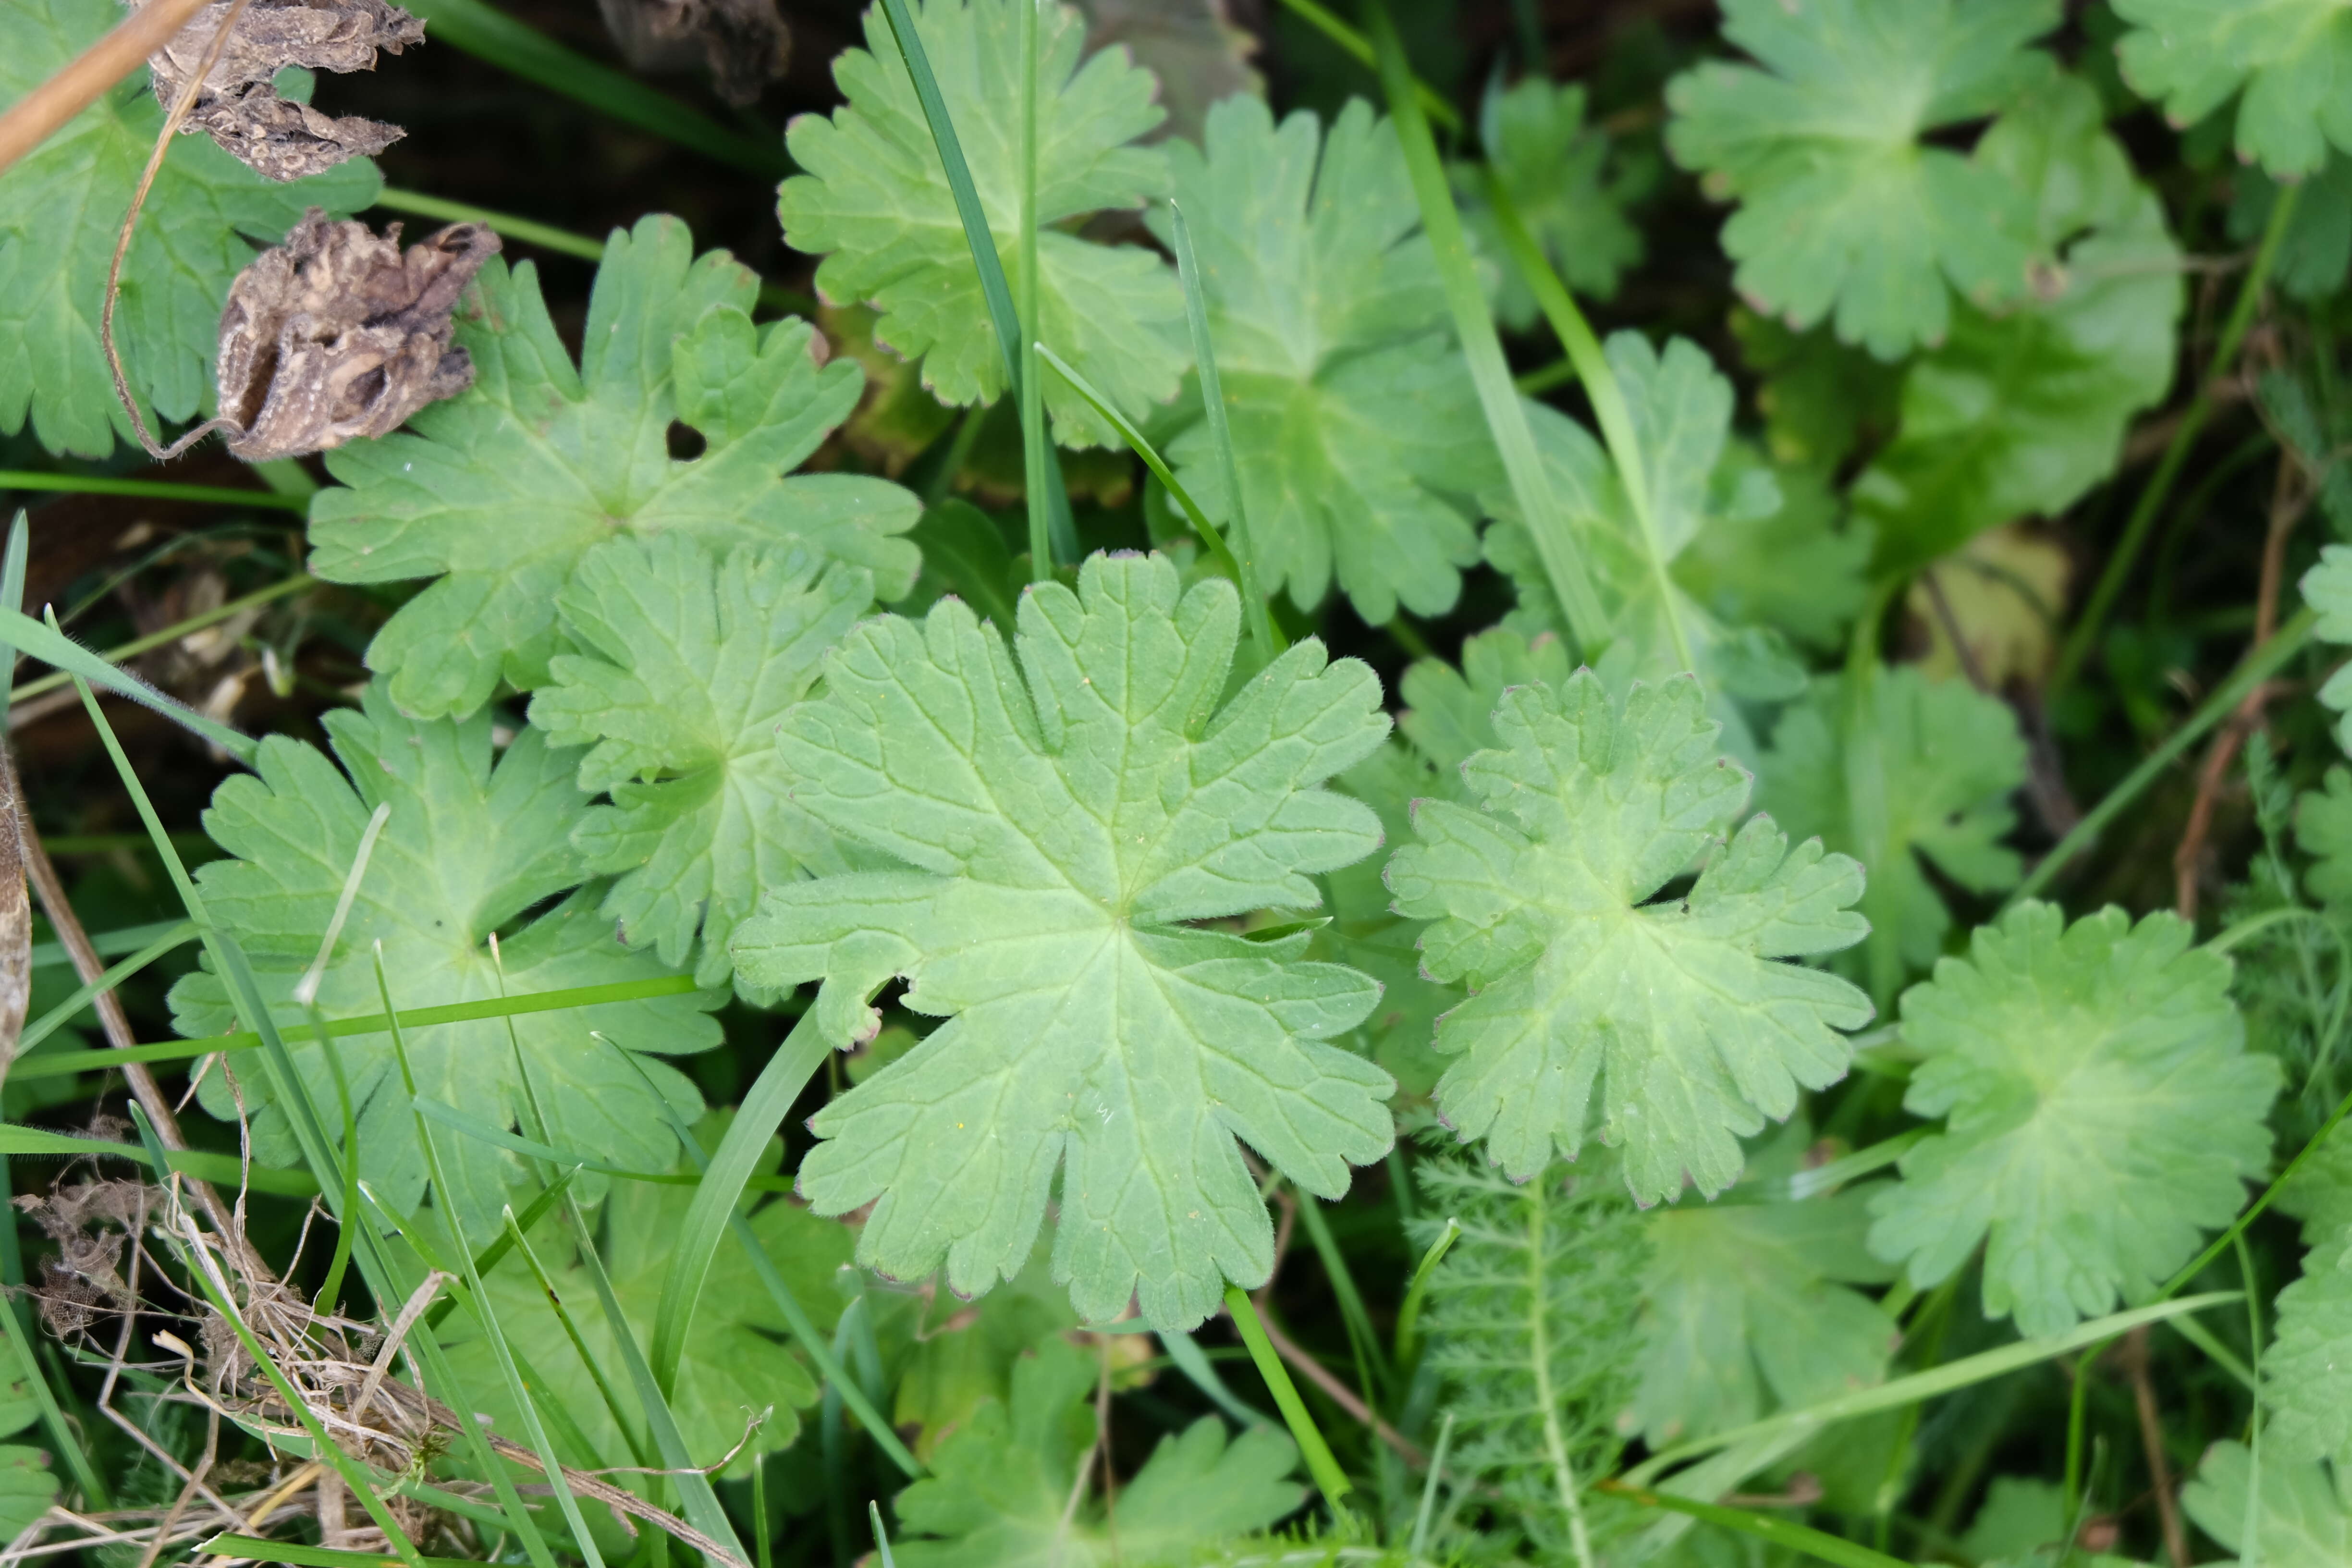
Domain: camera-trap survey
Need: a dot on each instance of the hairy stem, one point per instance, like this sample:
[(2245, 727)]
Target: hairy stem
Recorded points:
[(1563, 1474)]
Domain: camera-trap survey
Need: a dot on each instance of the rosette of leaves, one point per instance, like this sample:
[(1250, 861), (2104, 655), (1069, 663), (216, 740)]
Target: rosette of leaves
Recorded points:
[(2290, 57), (467, 849), (60, 210), (1846, 211), (1903, 773), (2023, 408), (1530, 1326), (499, 493), (735, 1364), (690, 662), (1069, 814), (1570, 184), (1747, 1308), (874, 200), (1004, 1489), (2100, 1112), (1539, 897), (1356, 429), (1726, 541)]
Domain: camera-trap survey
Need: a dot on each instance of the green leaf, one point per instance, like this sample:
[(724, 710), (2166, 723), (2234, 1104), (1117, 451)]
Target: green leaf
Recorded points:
[(1820, 399), (2292, 57), (2328, 588), (1530, 1320), (2101, 1112), (875, 203), (2307, 1373), (1946, 759), (1001, 1486), (499, 493), (735, 1366), (1538, 900), (1845, 210), (60, 211), (1064, 814), (465, 850), (1356, 429), (2302, 1514), (2023, 409), (1747, 1306), (955, 1366), (28, 1487), (692, 662), (1560, 175), (1701, 489)]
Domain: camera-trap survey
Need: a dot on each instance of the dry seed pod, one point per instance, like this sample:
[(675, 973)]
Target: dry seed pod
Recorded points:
[(745, 44), (336, 334), (237, 107)]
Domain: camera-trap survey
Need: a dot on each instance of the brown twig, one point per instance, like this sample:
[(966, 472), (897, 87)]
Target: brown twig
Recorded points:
[(2134, 1355), (42, 112), (1321, 1376), (2289, 501), (51, 891)]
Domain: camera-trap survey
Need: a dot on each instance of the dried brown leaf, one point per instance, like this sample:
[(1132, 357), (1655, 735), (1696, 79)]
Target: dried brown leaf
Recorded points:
[(337, 334), (238, 107)]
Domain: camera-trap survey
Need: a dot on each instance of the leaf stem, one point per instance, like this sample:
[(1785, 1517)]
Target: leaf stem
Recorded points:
[(2087, 628), (1331, 1480), (2259, 665), (1507, 418)]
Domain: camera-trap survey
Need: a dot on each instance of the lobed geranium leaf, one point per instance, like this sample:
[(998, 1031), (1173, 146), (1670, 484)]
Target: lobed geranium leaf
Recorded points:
[(999, 1488), (734, 1367), (499, 493), (2023, 409), (2308, 1371), (691, 662), (1747, 1308), (2101, 1112), (2292, 57), (2328, 589), (2302, 1513), (1730, 540), (875, 203), (1067, 813), (1845, 211), (1569, 185), (1943, 759), (467, 848), (1356, 430), (1538, 900), (60, 210)]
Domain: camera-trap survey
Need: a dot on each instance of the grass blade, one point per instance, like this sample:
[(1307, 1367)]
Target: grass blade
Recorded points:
[(1921, 1386), (1369, 1368), (780, 1291), (1202, 1371), (1221, 434), (1818, 1544), (517, 1390), (39, 1142), (1062, 532), (1507, 418), (763, 1112), (255, 1549), (1141, 445), (164, 636), (45, 642), (63, 1063), (180, 934), (1600, 385), (488, 32), (151, 490), (1358, 48), (1032, 403), (1409, 1314), (1329, 1478)]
